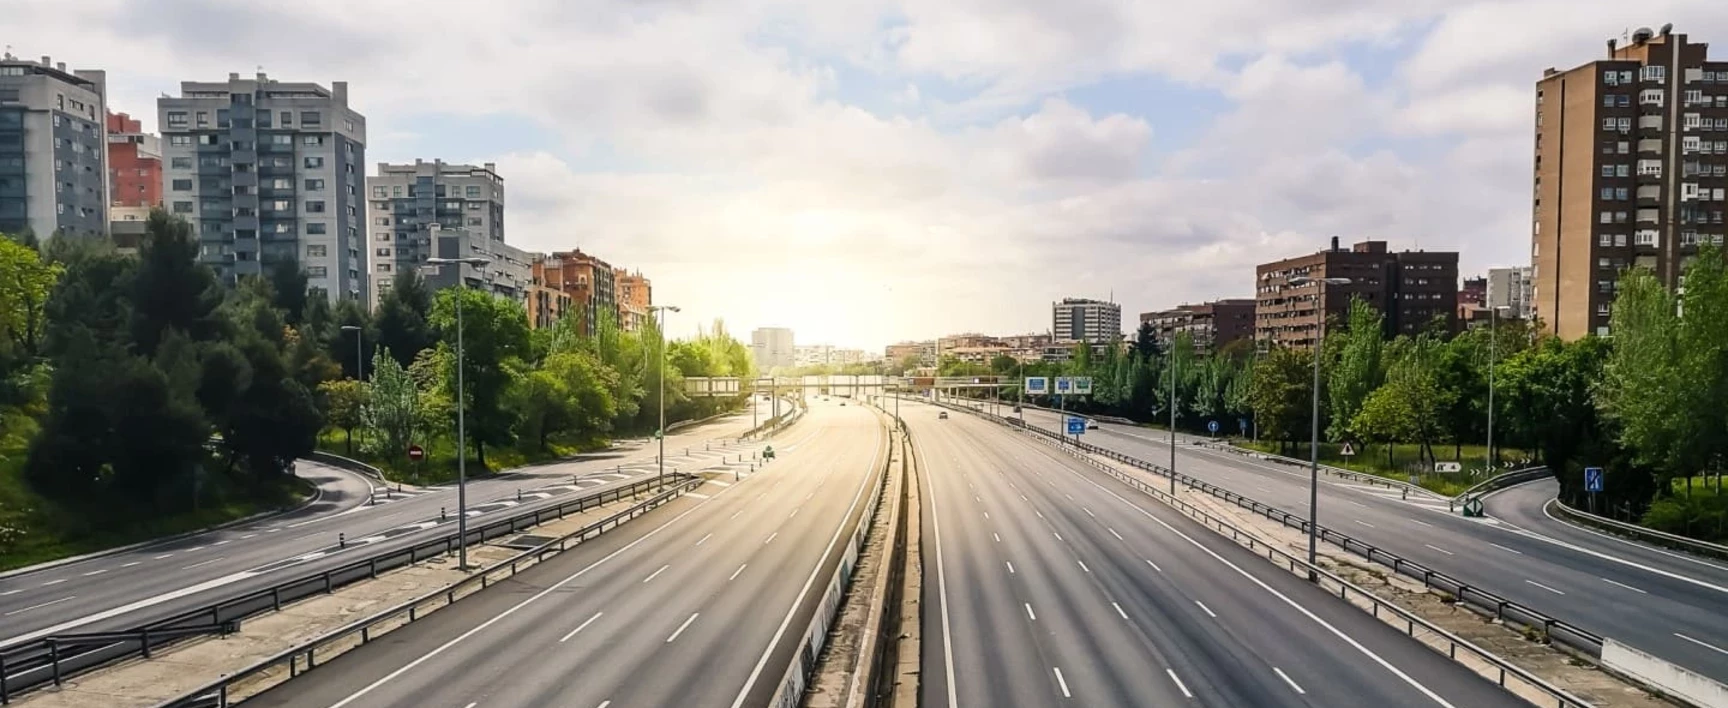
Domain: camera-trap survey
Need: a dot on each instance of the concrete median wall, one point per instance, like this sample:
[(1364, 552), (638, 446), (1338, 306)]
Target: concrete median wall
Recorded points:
[(1679, 682)]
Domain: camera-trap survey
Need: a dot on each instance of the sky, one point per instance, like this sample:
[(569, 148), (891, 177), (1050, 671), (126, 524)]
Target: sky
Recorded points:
[(868, 171)]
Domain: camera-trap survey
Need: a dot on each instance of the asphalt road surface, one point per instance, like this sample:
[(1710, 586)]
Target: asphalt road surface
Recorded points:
[(700, 603), (1048, 583), (162, 579), (1663, 602)]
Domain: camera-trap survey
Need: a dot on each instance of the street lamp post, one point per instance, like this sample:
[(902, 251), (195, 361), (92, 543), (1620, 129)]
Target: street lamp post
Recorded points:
[(461, 407), (660, 480), (1314, 433), (359, 355), (1170, 352), (1493, 361)]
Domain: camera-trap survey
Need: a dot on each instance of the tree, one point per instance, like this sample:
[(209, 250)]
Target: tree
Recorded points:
[(495, 338), (26, 280), (402, 315), (545, 405), (1145, 340), (1357, 369), (393, 407), (1414, 384), (345, 401), (288, 284), (1280, 394), (351, 320), (170, 289), (272, 420)]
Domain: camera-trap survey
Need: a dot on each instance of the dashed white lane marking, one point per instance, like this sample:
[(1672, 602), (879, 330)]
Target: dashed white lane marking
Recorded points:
[(218, 543), (55, 582), (704, 539), (1437, 548), (1628, 587), (656, 573), (1057, 535), (1082, 565), (1508, 550), (95, 572), (1024, 499), (1029, 613), (794, 513), (735, 514), (771, 538), (1293, 686), (1119, 610), (1179, 684), (1357, 503), (1117, 535), (997, 537), (735, 573), (128, 565), (1089, 512), (471, 705), (160, 557), (1039, 513), (1069, 496), (11, 592), (603, 704), (682, 627), (696, 496), (201, 563), (1010, 565), (1061, 682), (986, 515), (1544, 587), (35, 607), (1364, 523), (1414, 521), (580, 627), (1208, 610), (1704, 644), (1154, 565)]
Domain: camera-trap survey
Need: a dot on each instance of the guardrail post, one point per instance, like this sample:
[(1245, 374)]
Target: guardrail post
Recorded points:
[(342, 540), (441, 515), (54, 658), (518, 495), (144, 642), (5, 692)]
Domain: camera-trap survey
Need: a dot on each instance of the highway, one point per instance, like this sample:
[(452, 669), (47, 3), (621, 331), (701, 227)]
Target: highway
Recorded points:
[(700, 603), (1653, 599), (161, 579), (1048, 583)]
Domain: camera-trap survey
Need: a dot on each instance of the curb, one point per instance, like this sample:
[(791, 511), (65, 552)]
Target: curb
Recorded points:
[(318, 493)]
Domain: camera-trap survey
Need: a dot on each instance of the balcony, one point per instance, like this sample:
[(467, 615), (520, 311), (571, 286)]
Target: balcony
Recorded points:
[(1650, 146)]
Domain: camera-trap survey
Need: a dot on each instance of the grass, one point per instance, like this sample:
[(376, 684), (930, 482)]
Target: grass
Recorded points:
[(1406, 458), (440, 463)]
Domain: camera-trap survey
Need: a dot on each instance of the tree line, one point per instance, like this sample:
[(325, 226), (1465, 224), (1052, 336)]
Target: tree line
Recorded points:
[(137, 386)]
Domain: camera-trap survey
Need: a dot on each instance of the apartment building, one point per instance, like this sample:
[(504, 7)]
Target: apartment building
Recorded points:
[(1413, 290), (1211, 325), (134, 164), (1631, 169), (406, 203), (635, 294), (1084, 320), (269, 171), (508, 272), (590, 283), (1511, 288), (925, 352), (772, 347), (53, 149)]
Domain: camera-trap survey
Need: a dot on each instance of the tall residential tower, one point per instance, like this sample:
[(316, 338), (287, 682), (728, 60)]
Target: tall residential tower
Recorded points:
[(407, 201), (53, 149)]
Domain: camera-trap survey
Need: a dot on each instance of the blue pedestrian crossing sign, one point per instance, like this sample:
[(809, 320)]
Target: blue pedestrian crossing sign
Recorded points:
[(1592, 479), (1076, 426)]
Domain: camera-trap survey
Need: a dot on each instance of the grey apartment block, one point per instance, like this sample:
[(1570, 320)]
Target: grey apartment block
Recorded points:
[(1083, 320), (1512, 288), (508, 275), (53, 149), (405, 202), (269, 171)]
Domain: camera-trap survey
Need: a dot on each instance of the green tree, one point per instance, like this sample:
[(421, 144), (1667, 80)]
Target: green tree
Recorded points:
[(26, 280), (1356, 370), (170, 289), (546, 407), (1279, 394), (288, 285), (495, 339), (402, 317), (392, 410), (345, 402)]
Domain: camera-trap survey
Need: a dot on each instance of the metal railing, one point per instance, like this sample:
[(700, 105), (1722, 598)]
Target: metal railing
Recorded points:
[(1647, 535), (1500, 608), (52, 659), (306, 656), (346, 463)]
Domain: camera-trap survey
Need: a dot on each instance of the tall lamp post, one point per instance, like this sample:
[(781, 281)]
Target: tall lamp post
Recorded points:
[(660, 481), (1493, 361), (461, 406), (1170, 352), (359, 355), (1314, 439)]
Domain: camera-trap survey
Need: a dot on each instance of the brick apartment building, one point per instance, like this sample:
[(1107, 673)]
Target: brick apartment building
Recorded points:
[(1211, 325), (1412, 289)]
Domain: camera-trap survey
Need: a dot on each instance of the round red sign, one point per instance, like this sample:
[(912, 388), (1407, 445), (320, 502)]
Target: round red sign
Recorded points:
[(415, 453)]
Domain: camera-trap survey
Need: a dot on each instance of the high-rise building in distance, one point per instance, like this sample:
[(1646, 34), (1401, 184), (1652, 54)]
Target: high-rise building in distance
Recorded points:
[(635, 294), (269, 171), (1512, 289), (405, 201), (134, 164), (1082, 320), (589, 281), (1413, 290), (1631, 169), (53, 149)]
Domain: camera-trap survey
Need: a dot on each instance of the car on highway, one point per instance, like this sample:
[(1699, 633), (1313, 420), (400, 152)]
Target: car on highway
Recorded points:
[(942, 415), (1091, 425)]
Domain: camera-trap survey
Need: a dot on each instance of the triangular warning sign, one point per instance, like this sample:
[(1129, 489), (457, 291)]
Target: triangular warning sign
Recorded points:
[(1347, 450)]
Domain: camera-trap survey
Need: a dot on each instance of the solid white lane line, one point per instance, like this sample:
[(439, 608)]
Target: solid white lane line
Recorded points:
[(1010, 567), (1061, 682), (694, 495), (1082, 565), (771, 538), (95, 572), (1706, 645), (735, 573), (1413, 521), (1544, 587), (998, 538), (45, 604), (1179, 684), (1628, 587), (1364, 523), (942, 585), (1437, 548), (1029, 614), (1154, 565), (1117, 535), (580, 627), (682, 627), (1208, 610), (1508, 550), (128, 565), (704, 539), (1286, 677), (656, 573), (1119, 610)]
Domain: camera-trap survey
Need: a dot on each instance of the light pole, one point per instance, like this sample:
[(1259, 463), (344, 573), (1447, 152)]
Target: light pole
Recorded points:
[(1314, 439), (359, 356), (461, 406), (660, 480), (1170, 352), (1493, 360)]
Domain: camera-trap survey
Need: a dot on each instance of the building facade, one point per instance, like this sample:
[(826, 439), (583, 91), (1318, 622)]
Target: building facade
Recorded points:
[(924, 352), (508, 274), (772, 347), (406, 202), (1211, 325), (53, 149), (269, 171), (134, 165), (1631, 169), (588, 281), (635, 295), (1083, 320), (1413, 290), (1511, 288)]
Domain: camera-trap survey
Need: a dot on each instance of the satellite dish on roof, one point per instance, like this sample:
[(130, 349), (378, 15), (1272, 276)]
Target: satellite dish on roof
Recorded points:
[(1643, 35)]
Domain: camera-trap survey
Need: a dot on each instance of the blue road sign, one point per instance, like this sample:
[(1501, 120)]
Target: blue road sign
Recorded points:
[(1037, 385), (1076, 426), (1243, 424), (1592, 479), (1064, 384), (1212, 426)]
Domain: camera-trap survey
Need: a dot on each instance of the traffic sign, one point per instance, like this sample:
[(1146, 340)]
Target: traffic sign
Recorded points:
[(415, 453), (1083, 385), (1473, 507), (1592, 479), (1347, 450), (1037, 385), (1212, 426), (1064, 384), (1448, 467), (1076, 426), (1243, 424)]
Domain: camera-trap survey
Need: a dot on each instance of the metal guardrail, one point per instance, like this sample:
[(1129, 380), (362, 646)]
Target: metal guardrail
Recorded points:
[(1647, 535), (346, 463), (254, 679), (53, 659), (1414, 625), (1502, 481), (1488, 603)]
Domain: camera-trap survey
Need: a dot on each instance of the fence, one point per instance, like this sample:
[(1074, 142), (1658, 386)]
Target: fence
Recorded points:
[(298, 660), (1648, 535), (55, 658)]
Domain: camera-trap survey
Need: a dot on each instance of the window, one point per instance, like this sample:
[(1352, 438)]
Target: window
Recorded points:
[(475, 221), (280, 204), (1623, 147), (1604, 286), (314, 185), (1645, 237), (317, 272), (313, 163), (1607, 192), (1625, 124), (1619, 217), (181, 185), (381, 236), (383, 267), (1607, 147), (1620, 240), (1691, 121), (316, 250), (475, 206), (176, 119), (1622, 193), (1623, 100), (381, 252), (312, 140), (473, 192), (317, 228), (1651, 97), (396, 191), (380, 192), (1608, 123), (1607, 170), (1607, 100), (181, 140), (287, 118), (314, 207), (281, 227), (1607, 217), (182, 207), (451, 205), (1654, 72), (310, 119), (180, 163), (382, 221), (242, 190)]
